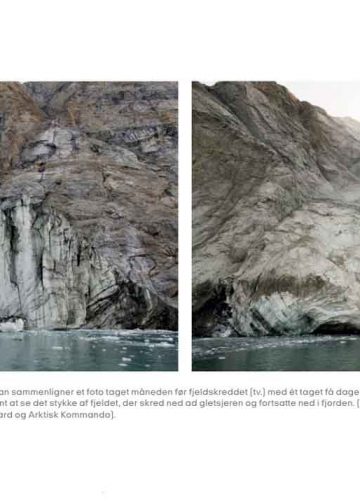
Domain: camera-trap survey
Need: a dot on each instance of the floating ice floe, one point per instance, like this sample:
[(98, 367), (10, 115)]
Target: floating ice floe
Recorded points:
[(12, 325)]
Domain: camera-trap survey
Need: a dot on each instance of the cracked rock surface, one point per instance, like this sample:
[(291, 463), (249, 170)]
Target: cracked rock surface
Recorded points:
[(276, 214), (88, 204)]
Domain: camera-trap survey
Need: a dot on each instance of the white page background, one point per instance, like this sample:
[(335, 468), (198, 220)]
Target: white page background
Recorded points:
[(180, 456)]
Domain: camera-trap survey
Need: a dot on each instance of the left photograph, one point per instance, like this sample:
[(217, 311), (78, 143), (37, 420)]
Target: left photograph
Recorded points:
[(88, 226)]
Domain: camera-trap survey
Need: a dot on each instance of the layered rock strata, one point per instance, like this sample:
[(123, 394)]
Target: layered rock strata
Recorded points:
[(276, 214), (88, 204)]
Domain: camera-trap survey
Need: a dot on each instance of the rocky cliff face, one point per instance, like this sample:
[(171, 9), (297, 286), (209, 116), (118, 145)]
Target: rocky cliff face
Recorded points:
[(276, 219), (88, 204)]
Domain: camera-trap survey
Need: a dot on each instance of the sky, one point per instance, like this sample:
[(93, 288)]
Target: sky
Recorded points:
[(339, 99)]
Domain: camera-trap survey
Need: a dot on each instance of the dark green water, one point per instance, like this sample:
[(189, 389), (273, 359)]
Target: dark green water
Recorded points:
[(85, 350), (300, 353)]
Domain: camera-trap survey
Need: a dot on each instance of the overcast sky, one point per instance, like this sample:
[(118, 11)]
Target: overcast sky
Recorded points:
[(339, 99)]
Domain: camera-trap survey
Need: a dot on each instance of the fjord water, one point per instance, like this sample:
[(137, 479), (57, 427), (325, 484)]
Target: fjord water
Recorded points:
[(88, 350), (280, 353)]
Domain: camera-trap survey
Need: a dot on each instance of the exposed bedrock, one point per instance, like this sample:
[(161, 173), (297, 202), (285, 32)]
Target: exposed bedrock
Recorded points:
[(276, 197), (52, 279), (88, 226)]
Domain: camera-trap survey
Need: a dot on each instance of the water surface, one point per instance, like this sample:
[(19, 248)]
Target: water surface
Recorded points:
[(88, 350), (280, 353)]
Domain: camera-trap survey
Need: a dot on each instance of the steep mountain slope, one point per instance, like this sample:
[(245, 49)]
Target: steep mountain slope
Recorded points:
[(88, 204), (276, 213)]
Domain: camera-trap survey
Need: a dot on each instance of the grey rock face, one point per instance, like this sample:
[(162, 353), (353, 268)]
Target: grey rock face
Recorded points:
[(88, 229), (276, 194)]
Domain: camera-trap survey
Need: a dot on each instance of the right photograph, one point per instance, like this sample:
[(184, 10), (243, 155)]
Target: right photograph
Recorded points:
[(276, 226)]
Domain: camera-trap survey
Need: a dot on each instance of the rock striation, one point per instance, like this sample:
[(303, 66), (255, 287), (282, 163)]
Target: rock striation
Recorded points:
[(88, 204), (276, 214)]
